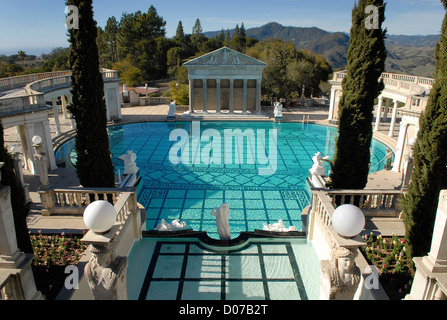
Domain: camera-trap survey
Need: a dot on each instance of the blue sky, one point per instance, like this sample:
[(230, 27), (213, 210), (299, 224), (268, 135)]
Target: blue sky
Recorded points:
[(37, 26)]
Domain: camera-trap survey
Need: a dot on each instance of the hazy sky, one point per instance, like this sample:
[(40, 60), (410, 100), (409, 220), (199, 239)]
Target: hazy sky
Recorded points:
[(37, 26)]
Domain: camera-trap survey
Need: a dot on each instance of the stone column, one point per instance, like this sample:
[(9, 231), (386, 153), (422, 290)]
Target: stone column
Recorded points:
[(432, 268), (378, 114), (108, 104), (231, 96), (72, 120), (387, 108), (64, 107), (191, 95), (204, 95), (26, 133), (244, 99), (258, 95), (49, 145), (332, 104), (217, 95), (393, 119), (20, 285), (56, 116)]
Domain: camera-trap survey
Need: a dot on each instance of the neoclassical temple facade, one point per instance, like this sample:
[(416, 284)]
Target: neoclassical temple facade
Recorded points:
[(225, 81)]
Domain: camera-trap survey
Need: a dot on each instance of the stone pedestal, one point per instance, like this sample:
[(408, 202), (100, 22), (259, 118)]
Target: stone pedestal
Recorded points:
[(16, 275), (106, 271)]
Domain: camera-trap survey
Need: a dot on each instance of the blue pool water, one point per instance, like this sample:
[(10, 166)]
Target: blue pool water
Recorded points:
[(189, 191)]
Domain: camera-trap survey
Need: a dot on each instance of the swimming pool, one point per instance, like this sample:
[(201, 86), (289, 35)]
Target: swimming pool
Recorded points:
[(189, 190), (186, 269)]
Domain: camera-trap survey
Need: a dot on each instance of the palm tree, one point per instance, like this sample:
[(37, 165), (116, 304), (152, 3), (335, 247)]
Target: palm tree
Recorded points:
[(21, 55)]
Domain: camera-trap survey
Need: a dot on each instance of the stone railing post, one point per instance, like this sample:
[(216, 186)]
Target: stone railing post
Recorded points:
[(107, 271), (47, 201)]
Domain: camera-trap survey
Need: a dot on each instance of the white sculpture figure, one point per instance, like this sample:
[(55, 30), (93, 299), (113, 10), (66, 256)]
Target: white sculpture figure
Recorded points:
[(340, 276), (172, 110), (318, 167), (278, 110), (174, 225), (106, 275), (222, 215), (130, 167), (278, 227)]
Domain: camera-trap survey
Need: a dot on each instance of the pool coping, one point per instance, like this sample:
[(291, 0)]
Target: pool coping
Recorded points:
[(242, 239)]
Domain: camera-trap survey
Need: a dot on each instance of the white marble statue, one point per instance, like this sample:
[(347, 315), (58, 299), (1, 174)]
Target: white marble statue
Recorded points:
[(340, 276), (174, 225), (222, 215), (278, 227), (130, 167), (172, 110), (278, 110), (318, 166)]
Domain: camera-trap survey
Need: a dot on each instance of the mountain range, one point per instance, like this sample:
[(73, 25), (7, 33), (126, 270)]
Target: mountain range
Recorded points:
[(406, 54)]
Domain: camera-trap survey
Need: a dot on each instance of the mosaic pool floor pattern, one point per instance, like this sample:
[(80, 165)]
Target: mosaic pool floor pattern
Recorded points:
[(189, 192), (186, 270)]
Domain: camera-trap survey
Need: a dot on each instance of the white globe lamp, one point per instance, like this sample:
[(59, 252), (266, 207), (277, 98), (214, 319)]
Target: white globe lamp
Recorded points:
[(100, 216), (412, 142), (37, 140), (348, 220), (15, 149)]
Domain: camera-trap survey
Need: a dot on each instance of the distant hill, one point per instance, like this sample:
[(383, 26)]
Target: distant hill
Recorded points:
[(406, 54)]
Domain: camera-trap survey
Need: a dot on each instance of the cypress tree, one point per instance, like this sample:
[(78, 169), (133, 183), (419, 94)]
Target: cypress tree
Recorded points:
[(429, 175), (18, 203), (366, 62), (94, 164)]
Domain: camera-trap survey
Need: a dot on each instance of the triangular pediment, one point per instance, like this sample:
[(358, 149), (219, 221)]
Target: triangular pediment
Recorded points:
[(225, 57)]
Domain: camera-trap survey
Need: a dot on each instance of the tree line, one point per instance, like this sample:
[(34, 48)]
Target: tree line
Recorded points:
[(138, 48)]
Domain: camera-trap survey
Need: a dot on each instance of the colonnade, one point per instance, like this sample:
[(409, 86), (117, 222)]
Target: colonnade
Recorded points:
[(225, 93), (385, 114)]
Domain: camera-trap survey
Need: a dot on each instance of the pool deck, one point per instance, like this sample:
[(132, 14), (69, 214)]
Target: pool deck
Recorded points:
[(66, 178)]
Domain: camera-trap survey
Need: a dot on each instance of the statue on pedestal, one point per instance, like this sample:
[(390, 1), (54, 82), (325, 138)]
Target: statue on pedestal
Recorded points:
[(318, 166), (278, 110), (222, 215), (130, 167), (172, 110)]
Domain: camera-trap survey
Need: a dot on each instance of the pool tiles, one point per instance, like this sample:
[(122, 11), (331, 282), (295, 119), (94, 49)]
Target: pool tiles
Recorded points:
[(190, 192), (187, 271)]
